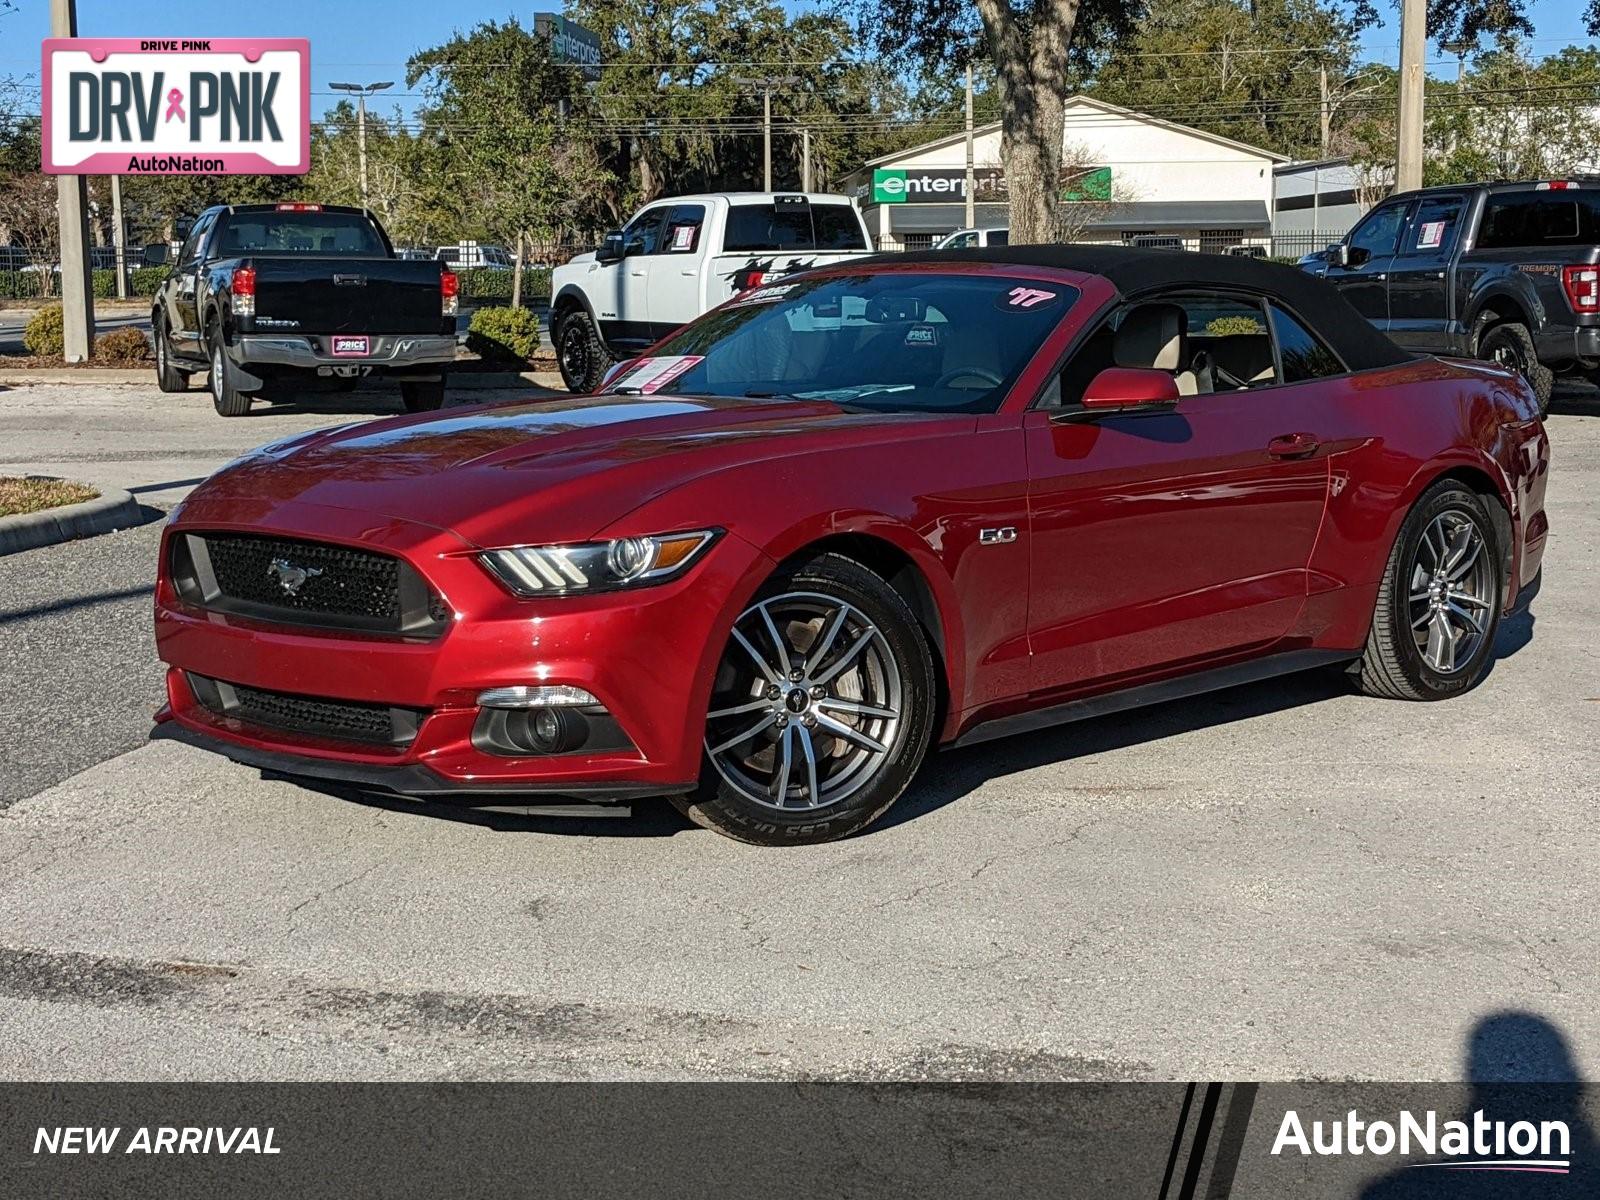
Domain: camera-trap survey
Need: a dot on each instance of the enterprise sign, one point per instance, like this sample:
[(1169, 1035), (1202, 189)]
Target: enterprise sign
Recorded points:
[(167, 106), (913, 185)]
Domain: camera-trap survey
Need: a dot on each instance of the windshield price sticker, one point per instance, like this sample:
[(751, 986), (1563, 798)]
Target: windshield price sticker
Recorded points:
[(683, 237), (650, 375), (1431, 236)]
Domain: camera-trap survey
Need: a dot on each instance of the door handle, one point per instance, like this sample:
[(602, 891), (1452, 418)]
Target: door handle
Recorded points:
[(1292, 445), (1381, 276)]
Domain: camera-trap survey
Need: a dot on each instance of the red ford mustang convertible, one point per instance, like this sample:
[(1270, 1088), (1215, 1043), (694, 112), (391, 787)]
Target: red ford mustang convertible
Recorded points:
[(846, 517)]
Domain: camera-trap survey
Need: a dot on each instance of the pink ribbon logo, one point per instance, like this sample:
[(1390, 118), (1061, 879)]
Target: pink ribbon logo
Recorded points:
[(175, 105)]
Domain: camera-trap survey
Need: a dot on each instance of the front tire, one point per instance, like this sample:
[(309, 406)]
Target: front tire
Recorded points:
[(1510, 345), (581, 354), (1439, 605), (168, 377), (821, 711), (226, 397)]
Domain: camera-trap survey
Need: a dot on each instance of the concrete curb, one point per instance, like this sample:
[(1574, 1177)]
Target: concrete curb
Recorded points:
[(28, 531), (461, 380)]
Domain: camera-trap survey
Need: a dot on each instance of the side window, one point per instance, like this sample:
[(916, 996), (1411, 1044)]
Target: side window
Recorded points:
[(643, 235), (684, 222), (1378, 235), (965, 242), (1432, 232), (1303, 356), (197, 236)]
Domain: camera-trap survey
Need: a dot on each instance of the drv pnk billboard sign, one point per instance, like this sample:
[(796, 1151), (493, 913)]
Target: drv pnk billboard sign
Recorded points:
[(170, 106)]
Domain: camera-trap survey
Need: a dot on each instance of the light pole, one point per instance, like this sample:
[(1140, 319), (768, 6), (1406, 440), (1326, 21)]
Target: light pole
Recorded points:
[(362, 91), (765, 84)]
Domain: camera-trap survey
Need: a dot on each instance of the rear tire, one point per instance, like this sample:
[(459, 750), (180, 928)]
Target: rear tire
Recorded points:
[(815, 741), (226, 397), (581, 354), (168, 377), (1510, 345), (422, 397), (1444, 580)]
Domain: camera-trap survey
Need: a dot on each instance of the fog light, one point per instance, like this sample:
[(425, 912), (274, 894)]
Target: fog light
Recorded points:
[(548, 730)]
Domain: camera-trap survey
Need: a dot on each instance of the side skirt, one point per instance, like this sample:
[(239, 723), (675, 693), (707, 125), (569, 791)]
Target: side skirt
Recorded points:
[(1198, 683)]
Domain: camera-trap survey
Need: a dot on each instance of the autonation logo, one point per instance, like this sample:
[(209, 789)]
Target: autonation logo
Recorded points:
[(1478, 1144)]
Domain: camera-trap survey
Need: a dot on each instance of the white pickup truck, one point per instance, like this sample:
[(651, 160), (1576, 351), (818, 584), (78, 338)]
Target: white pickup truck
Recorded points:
[(681, 257)]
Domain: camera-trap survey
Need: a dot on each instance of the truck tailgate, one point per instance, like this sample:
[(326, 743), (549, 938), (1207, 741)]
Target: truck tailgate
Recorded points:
[(324, 294)]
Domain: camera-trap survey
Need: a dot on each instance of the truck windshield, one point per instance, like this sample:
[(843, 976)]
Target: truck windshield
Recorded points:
[(300, 233), (890, 342), (793, 227)]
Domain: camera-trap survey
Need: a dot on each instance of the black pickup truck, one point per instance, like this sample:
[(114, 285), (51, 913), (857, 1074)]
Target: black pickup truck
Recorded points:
[(1502, 271), (274, 291)]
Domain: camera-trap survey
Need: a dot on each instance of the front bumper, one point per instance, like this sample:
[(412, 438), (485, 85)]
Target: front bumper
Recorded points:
[(389, 353), (648, 656)]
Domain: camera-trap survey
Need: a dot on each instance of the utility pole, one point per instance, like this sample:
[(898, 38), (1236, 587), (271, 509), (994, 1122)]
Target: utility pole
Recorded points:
[(765, 84), (72, 208), (805, 158), (1324, 113), (1413, 46), (119, 238), (362, 91), (971, 182)]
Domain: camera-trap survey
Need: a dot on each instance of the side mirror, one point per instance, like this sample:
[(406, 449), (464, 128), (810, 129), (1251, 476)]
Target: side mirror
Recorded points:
[(1130, 387), (1339, 254), (156, 254), (611, 248)]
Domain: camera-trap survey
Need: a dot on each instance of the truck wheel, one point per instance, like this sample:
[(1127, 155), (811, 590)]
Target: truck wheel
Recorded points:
[(422, 397), (168, 377), (1510, 345), (583, 357), (226, 397)]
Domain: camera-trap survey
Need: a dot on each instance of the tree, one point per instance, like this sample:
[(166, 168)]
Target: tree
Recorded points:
[(494, 101), (1253, 74), (1040, 50)]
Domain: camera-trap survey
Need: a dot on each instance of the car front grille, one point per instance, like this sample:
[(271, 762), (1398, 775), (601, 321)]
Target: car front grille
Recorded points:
[(294, 582), (313, 716)]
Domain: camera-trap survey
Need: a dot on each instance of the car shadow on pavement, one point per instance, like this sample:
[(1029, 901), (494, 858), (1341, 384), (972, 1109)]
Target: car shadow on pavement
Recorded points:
[(946, 776)]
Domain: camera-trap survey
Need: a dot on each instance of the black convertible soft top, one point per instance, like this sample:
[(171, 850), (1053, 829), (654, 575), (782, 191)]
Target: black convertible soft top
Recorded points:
[(1133, 270)]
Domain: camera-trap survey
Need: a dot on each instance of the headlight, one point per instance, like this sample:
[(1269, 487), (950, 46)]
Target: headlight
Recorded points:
[(596, 566)]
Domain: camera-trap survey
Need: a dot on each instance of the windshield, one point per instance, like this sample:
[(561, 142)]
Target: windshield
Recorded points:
[(895, 342)]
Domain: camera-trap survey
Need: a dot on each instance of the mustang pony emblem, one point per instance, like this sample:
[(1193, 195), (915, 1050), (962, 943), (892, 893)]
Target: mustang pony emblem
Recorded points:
[(290, 577)]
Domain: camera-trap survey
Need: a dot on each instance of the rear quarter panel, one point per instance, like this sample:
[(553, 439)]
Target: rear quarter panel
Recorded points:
[(1393, 433)]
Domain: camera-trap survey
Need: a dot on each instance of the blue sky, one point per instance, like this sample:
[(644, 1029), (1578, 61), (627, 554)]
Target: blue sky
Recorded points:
[(366, 40)]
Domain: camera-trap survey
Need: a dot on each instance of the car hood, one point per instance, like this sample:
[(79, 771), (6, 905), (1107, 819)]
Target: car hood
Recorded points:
[(553, 470)]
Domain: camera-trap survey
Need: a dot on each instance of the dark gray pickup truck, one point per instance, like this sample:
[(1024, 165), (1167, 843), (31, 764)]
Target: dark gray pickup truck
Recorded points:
[(1502, 271), (276, 291)]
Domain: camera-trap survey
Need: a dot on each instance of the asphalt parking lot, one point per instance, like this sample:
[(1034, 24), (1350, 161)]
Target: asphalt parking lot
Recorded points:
[(1282, 881)]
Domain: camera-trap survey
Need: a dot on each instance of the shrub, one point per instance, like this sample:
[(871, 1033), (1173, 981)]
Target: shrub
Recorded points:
[(484, 284), (143, 281), (45, 335), (1224, 326), (504, 334), (125, 345)]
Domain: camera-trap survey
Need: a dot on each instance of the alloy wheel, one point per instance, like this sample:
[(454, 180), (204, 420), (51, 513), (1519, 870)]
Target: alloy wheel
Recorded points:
[(216, 371), (808, 702), (1451, 591), (574, 351)]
